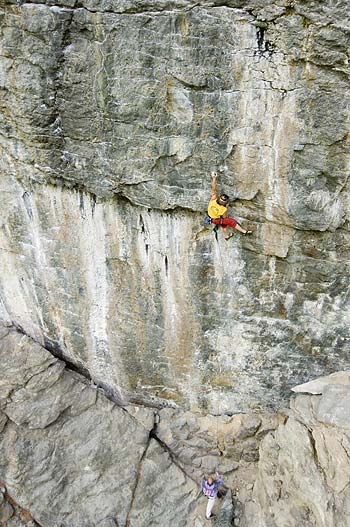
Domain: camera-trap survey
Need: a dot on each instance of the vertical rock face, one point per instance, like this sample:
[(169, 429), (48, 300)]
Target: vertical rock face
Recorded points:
[(112, 117)]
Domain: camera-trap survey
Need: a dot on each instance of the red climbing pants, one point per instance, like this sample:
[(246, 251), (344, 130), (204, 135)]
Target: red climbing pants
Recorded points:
[(225, 222)]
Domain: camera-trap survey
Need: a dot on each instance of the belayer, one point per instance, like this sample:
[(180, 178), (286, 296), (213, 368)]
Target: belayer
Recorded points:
[(210, 489), (217, 211)]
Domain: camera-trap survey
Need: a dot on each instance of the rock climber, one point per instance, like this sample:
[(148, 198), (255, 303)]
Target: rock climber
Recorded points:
[(210, 488), (217, 210)]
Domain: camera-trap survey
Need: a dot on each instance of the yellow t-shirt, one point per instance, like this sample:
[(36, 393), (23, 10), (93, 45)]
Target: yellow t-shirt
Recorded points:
[(215, 210)]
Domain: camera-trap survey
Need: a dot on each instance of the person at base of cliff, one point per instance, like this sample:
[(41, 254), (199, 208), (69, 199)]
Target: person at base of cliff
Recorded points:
[(217, 210), (210, 488)]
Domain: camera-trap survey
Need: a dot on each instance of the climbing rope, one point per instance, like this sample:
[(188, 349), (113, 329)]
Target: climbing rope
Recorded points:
[(221, 295)]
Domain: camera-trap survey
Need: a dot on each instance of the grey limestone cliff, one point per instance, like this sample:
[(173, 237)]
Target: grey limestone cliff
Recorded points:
[(139, 350), (113, 114)]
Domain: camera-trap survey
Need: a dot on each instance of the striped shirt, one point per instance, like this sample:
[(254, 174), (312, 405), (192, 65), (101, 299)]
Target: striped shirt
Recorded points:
[(211, 490)]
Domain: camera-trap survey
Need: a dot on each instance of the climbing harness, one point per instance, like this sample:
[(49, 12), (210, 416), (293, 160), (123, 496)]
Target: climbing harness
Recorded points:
[(207, 219)]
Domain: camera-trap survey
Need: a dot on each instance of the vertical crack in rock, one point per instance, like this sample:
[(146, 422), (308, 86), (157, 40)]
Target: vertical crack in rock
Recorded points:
[(226, 514), (56, 121), (313, 447), (81, 205), (144, 234), (153, 435), (4, 420), (315, 455), (142, 225), (346, 451), (93, 204), (139, 470), (260, 33), (265, 47), (28, 204)]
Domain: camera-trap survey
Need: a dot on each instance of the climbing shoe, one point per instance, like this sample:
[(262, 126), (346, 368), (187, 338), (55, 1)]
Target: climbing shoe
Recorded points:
[(248, 232)]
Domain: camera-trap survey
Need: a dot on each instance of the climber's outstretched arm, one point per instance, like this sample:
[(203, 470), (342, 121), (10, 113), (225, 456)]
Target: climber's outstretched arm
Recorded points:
[(213, 185)]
